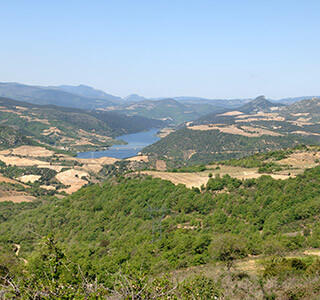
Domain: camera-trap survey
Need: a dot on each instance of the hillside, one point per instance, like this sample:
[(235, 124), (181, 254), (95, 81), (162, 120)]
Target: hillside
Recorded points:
[(166, 109), (117, 224), (88, 91), (10, 138), (52, 96), (258, 126), (259, 104), (68, 128)]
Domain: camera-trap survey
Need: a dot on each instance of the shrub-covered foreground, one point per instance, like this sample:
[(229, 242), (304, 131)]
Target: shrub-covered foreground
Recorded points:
[(153, 226), (50, 274)]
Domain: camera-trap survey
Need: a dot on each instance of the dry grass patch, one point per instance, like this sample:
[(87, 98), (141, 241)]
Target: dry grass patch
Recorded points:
[(197, 179), (52, 130), (30, 119), (231, 113), (72, 178), (165, 131), (9, 180), (32, 151), (188, 179), (27, 178), (18, 199), (301, 160), (143, 158), (232, 129), (21, 161)]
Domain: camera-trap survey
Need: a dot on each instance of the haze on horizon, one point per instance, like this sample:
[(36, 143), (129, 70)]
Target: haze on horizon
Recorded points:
[(211, 49)]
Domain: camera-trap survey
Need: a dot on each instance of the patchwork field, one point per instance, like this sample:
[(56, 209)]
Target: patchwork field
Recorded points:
[(293, 165), (70, 171), (249, 131)]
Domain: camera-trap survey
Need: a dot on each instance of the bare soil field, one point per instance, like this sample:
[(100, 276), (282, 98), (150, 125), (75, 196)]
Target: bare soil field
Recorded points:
[(144, 158), (188, 179), (231, 113), (32, 151), (21, 162), (27, 178), (165, 131), (232, 129), (5, 179), (51, 130), (48, 187), (302, 159), (72, 178), (94, 168), (161, 165), (98, 161), (198, 178), (18, 199), (30, 119)]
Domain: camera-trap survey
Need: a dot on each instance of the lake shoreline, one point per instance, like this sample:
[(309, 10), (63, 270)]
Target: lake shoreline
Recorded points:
[(134, 143)]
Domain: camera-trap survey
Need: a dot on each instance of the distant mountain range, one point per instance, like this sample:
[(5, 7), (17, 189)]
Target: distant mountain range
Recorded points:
[(51, 96), (46, 95), (86, 91), (174, 110)]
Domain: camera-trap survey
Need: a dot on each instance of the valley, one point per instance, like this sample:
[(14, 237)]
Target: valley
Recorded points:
[(228, 199), (160, 150)]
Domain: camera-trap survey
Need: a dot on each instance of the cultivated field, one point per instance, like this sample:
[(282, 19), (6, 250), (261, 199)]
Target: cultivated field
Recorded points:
[(26, 156), (73, 178), (197, 179), (233, 129), (18, 199)]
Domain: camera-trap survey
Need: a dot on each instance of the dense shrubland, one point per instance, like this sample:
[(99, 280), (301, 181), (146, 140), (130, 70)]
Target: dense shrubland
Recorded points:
[(153, 227)]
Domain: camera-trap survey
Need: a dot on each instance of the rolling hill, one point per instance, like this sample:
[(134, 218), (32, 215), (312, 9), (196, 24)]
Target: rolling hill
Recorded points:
[(138, 226), (258, 126), (166, 109), (74, 129), (87, 91), (10, 138), (52, 96)]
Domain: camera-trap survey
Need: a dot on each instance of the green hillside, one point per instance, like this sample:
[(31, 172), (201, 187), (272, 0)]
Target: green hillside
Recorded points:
[(72, 129), (258, 126), (10, 138), (53, 96), (170, 110), (113, 222), (186, 146), (154, 226)]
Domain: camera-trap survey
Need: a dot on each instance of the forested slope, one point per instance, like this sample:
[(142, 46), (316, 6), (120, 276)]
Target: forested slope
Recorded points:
[(258, 126), (70, 128), (113, 223)]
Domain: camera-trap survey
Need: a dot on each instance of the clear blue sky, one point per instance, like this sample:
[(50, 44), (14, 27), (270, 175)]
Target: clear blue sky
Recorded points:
[(205, 48)]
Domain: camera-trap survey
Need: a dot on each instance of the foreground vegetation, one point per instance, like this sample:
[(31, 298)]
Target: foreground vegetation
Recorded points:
[(133, 229)]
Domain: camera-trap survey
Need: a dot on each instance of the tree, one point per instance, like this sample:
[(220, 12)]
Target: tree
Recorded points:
[(227, 248)]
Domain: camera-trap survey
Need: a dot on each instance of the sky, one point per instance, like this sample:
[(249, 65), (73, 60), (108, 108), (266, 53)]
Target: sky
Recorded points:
[(159, 48)]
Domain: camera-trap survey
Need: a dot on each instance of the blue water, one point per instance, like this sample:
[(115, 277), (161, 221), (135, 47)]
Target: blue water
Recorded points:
[(136, 142)]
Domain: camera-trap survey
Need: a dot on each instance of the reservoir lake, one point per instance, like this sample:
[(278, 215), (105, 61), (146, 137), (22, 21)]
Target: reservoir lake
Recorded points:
[(135, 143)]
